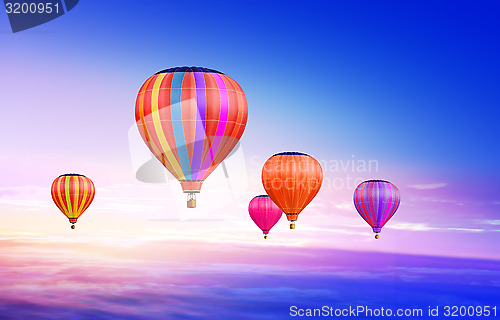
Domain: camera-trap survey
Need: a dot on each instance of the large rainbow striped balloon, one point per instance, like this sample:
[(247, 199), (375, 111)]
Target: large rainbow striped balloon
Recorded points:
[(72, 193), (376, 202), (191, 118)]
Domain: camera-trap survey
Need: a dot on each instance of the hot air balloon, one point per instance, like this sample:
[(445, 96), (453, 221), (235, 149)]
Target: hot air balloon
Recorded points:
[(72, 193), (191, 118), (376, 202), (264, 212), (292, 180)]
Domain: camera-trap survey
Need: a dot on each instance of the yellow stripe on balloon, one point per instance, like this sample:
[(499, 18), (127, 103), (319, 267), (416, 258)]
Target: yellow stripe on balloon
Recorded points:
[(156, 149), (159, 130), (59, 195), (91, 194), (85, 191), (68, 197)]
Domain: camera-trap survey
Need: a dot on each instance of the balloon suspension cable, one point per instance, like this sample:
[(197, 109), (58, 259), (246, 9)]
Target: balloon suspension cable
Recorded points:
[(191, 200)]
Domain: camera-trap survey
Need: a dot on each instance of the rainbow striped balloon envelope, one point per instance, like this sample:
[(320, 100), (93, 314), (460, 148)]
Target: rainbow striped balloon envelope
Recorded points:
[(191, 118), (376, 202)]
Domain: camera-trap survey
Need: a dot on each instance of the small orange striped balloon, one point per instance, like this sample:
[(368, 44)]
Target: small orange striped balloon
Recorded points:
[(292, 180), (72, 193)]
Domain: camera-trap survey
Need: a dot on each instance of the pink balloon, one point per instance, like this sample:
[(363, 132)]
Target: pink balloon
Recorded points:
[(264, 213)]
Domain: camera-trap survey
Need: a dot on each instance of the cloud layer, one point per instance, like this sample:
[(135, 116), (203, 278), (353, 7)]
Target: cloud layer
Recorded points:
[(191, 280)]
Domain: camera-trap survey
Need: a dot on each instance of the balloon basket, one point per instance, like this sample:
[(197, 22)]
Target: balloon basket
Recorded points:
[(191, 200), (377, 230), (191, 203)]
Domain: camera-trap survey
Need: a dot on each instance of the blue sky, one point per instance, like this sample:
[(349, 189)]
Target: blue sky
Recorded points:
[(424, 72)]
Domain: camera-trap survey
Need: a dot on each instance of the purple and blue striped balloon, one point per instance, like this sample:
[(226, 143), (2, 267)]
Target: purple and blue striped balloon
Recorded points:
[(376, 201)]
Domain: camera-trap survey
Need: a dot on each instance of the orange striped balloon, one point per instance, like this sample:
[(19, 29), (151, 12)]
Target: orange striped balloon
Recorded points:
[(72, 194), (292, 180)]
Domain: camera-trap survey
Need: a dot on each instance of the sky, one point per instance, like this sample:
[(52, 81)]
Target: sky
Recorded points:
[(401, 91)]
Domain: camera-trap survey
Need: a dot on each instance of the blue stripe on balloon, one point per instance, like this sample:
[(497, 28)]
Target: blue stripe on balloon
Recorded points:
[(359, 202), (369, 205), (176, 111), (389, 201), (395, 204)]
